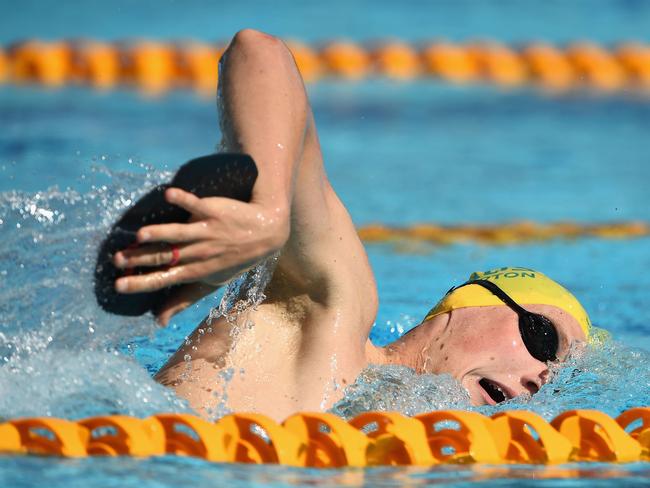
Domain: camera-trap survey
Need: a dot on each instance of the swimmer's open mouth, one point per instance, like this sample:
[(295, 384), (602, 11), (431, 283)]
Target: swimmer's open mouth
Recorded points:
[(494, 390)]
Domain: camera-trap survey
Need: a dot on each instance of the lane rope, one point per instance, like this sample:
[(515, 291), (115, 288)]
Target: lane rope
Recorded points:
[(521, 232), (324, 440), (155, 67)]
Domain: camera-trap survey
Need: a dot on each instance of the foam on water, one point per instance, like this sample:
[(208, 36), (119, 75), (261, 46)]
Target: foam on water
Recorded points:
[(398, 388), (76, 384), (57, 348), (47, 257)]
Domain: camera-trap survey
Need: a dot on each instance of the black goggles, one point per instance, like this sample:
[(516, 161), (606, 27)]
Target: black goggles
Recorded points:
[(538, 333)]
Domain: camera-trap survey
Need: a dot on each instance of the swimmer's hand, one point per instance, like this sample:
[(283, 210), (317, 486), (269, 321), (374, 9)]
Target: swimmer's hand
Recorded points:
[(223, 239)]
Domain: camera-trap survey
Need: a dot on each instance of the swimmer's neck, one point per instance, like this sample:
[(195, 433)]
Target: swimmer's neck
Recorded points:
[(412, 349)]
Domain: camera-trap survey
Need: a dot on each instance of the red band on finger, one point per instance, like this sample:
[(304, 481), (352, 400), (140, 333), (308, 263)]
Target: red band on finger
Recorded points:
[(176, 256), (130, 271)]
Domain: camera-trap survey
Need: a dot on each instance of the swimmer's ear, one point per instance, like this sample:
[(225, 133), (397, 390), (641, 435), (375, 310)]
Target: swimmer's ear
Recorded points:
[(217, 175)]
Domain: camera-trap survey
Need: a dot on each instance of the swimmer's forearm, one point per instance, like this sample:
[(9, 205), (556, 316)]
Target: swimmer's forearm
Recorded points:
[(264, 109)]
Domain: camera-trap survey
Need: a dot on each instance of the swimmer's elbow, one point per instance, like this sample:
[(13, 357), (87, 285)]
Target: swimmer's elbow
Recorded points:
[(253, 37), (252, 42), (255, 55)]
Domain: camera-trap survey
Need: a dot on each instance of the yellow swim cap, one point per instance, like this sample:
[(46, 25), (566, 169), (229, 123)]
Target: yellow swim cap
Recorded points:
[(526, 287)]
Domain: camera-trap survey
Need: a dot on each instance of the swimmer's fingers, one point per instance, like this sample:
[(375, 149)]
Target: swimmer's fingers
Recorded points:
[(157, 280), (162, 254), (181, 298), (157, 254), (151, 281), (203, 208), (173, 232), (186, 200)]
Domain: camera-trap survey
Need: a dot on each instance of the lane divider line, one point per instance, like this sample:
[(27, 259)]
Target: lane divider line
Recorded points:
[(154, 67), (323, 440), (502, 234)]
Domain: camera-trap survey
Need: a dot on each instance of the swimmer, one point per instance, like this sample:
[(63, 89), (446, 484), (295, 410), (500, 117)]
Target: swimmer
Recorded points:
[(497, 334)]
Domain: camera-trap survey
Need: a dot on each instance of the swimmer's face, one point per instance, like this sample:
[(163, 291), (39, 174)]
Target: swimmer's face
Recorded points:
[(482, 347)]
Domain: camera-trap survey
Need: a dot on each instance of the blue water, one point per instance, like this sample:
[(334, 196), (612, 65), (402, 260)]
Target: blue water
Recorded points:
[(508, 20), (70, 161)]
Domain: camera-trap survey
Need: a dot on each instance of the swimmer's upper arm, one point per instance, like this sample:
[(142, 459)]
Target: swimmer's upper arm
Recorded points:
[(263, 107), (265, 112)]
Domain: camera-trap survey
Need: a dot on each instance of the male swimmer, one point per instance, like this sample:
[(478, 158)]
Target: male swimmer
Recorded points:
[(496, 334)]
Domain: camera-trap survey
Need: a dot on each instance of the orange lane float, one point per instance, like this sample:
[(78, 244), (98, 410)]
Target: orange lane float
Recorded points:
[(460, 437), (309, 63), (635, 60), (255, 438), (329, 441), (196, 66), (45, 63), (515, 440), (155, 67), (642, 432), (597, 67), (501, 234), (397, 60), (549, 67), (450, 62), (323, 440), (148, 65), (596, 437), (120, 435), (396, 440), (499, 64), (346, 60), (44, 436), (4, 66), (96, 64)]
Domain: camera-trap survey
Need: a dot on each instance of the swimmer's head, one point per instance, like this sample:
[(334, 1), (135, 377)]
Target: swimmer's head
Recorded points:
[(498, 332), (525, 286)]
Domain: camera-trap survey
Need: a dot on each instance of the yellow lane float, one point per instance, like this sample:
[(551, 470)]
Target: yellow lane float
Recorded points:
[(155, 67), (323, 440)]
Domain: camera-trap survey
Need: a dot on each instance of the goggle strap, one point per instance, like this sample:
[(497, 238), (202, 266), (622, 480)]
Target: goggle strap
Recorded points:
[(495, 290)]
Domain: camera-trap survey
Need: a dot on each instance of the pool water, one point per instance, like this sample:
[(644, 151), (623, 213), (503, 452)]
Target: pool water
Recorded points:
[(71, 160)]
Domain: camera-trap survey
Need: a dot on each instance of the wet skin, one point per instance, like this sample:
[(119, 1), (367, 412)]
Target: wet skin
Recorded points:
[(310, 336)]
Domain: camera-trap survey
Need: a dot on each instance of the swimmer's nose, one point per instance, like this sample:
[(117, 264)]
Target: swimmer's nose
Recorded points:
[(533, 382)]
